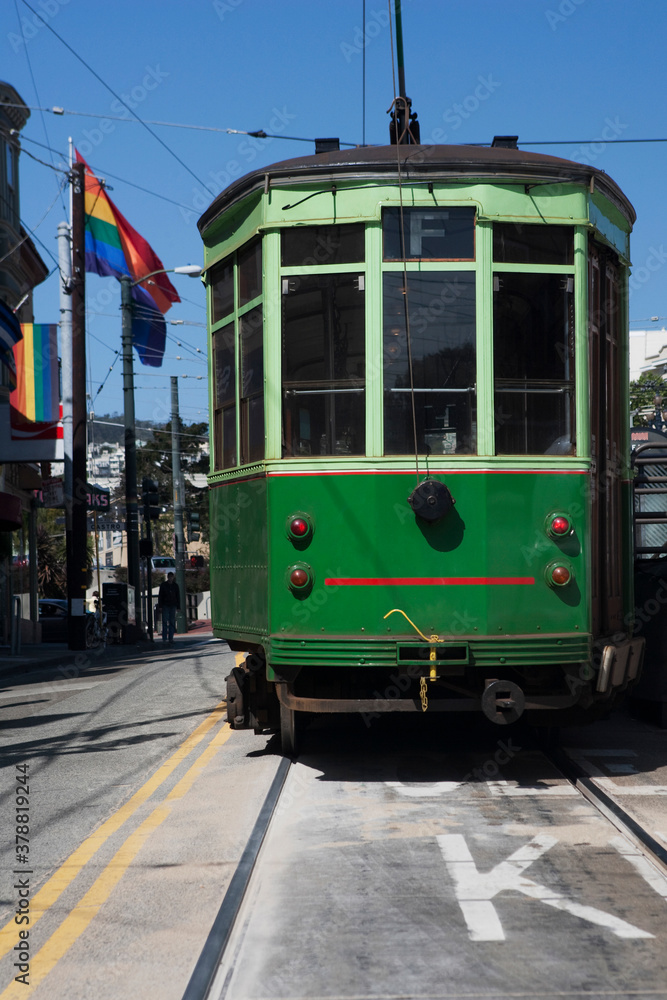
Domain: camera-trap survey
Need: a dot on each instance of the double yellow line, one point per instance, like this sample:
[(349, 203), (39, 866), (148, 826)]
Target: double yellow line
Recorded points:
[(81, 915)]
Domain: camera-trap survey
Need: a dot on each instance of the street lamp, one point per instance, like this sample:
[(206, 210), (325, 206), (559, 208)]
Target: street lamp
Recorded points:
[(131, 499)]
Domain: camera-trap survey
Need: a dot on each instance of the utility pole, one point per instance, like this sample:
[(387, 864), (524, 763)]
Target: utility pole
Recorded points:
[(77, 555), (179, 536), (131, 500), (65, 266)]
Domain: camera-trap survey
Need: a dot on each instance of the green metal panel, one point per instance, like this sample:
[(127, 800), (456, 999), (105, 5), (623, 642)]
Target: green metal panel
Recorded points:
[(239, 580), (366, 531), (233, 230)]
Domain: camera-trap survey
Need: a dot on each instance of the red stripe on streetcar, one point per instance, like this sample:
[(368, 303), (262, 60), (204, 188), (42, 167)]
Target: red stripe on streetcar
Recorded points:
[(393, 581)]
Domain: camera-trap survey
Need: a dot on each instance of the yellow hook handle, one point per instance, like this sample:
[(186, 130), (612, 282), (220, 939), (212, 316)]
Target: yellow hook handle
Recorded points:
[(426, 638)]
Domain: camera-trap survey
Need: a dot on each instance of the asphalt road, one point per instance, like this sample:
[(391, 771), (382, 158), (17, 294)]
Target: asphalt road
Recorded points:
[(137, 813), (438, 861)]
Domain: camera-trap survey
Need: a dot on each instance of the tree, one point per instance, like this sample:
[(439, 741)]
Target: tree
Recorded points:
[(643, 392), (52, 555), (154, 462)]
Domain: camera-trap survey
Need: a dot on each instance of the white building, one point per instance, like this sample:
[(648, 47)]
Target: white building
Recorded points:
[(648, 350)]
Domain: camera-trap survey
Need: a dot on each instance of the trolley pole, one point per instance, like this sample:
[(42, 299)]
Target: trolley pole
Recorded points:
[(179, 535)]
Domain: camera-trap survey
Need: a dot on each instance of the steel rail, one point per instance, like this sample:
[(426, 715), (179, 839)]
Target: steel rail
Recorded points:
[(609, 807), (211, 954)]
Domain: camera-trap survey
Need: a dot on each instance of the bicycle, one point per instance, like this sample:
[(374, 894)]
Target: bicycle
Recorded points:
[(96, 629)]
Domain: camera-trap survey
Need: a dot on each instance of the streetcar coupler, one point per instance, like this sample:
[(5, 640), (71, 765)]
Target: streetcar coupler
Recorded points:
[(503, 702)]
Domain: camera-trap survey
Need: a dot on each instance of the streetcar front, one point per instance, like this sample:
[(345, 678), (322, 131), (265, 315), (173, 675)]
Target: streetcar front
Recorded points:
[(419, 483)]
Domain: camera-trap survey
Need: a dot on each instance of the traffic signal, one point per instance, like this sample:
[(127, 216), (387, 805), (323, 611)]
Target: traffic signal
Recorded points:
[(196, 562), (150, 499), (193, 526)]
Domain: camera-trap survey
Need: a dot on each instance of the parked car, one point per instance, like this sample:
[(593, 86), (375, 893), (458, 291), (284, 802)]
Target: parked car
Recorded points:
[(165, 563), (53, 618)]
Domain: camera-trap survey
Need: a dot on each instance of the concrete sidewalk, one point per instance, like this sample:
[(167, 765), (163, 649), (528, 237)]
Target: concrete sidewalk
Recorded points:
[(50, 655)]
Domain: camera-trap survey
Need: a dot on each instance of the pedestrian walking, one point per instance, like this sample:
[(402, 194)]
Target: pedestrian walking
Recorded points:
[(169, 602)]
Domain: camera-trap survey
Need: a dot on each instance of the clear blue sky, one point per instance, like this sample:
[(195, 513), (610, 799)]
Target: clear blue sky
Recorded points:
[(579, 71)]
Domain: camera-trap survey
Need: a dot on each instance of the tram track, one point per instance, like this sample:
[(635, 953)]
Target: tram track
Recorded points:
[(199, 986), (610, 808), (273, 924)]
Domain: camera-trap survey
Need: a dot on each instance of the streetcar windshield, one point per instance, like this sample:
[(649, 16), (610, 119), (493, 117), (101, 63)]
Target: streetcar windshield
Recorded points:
[(441, 310)]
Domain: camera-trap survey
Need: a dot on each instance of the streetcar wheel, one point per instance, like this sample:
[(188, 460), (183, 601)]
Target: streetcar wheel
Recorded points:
[(288, 743)]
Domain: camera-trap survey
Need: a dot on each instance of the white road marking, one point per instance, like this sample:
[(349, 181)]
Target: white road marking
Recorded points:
[(513, 788), (424, 791), (583, 757), (475, 890), (609, 785), (651, 875), (55, 688)]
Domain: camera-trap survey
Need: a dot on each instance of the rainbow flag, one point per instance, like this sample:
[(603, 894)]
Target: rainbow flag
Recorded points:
[(10, 335), (36, 396), (114, 248)]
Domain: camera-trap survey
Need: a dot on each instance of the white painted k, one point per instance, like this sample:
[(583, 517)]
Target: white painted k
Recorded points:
[(475, 891)]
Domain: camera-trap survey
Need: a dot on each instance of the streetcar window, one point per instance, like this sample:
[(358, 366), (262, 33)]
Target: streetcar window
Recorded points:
[(515, 243), (441, 309), (224, 420), (252, 386), (533, 338), (323, 365), (429, 234), (222, 291), (305, 246), (250, 272)]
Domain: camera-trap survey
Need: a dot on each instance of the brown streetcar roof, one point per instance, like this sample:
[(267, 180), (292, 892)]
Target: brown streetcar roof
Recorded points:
[(420, 163)]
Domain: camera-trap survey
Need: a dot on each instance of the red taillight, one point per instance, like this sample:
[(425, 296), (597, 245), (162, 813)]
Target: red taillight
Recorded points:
[(558, 574), (300, 577), (558, 525), (299, 527)]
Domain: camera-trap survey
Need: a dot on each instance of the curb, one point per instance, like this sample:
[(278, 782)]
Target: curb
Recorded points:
[(50, 659)]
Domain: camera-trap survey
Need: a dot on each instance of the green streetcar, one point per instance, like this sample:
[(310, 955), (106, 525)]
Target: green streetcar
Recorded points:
[(420, 487)]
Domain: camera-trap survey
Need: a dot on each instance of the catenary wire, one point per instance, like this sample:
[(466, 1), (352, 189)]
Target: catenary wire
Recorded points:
[(42, 118), (112, 91)]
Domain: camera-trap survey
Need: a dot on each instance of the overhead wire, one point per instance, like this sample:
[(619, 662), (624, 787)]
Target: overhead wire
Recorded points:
[(254, 134), (261, 134), (43, 120), (27, 235), (99, 172), (113, 92)]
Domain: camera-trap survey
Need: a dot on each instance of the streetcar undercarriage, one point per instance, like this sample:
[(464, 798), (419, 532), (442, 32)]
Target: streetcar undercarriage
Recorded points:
[(255, 702)]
